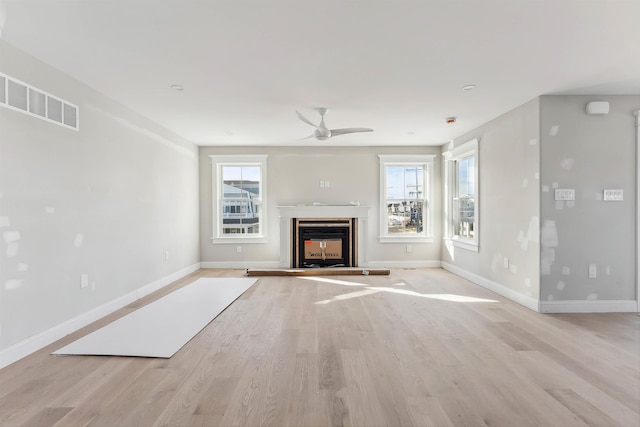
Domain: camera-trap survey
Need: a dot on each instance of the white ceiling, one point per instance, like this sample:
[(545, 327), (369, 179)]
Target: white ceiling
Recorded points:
[(395, 66)]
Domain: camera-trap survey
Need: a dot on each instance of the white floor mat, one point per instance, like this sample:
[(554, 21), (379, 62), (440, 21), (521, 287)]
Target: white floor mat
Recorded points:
[(161, 328)]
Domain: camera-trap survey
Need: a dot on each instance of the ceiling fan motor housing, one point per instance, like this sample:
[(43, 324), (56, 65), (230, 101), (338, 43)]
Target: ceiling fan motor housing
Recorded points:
[(322, 133)]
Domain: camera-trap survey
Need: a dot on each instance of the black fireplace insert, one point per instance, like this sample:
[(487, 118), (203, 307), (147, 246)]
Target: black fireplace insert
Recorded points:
[(324, 243)]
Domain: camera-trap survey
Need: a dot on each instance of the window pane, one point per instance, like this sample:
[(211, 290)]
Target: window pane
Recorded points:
[(465, 203), (405, 199), (413, 182), (405, 216), (240, 203), (466, 177)]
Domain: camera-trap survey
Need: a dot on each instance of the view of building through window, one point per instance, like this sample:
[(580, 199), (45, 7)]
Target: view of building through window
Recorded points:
[(464, 201), (405, 199), (241, 200)]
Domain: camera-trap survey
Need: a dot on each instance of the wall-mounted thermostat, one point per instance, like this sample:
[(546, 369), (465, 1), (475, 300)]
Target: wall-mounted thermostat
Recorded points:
[(613, 195), (565, 194)]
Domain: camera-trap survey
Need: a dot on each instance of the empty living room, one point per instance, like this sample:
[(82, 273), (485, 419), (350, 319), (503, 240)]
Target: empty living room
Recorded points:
[(337, 213)]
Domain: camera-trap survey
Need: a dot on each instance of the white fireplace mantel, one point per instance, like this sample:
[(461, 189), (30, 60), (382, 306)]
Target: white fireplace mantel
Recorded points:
[(287, 213)]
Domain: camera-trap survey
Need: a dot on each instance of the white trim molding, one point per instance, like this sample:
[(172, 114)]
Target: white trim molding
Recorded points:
[(582, 306), (404, 264), (636, 114), (239, 265), (32, 344), (522, 299)]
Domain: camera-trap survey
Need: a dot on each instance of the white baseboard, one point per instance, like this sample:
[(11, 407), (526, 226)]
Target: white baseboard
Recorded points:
[(525, 300), (32, 344), (589, 306), (403, 264), (239, 265)]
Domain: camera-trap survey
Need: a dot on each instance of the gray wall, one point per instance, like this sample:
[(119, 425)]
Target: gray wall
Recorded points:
[(293, 178), (589, 153), (106, 201), (509, 163)]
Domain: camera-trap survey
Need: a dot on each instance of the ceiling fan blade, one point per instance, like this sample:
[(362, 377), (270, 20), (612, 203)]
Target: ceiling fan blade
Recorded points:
[(337, 132), (313, 135), (304, 119)]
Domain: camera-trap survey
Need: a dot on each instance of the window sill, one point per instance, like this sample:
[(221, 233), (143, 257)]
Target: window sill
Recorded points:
[(405, 239), (469, 245), (237, 240)]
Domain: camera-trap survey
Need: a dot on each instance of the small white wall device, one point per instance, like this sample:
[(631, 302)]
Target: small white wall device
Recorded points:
[(598, 107)]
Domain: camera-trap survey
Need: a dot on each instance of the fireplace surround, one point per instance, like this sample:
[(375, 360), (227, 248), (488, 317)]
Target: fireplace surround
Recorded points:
[(356, 215)]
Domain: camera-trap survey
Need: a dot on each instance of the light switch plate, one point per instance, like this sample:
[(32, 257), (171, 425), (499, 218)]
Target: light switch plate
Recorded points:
[(565, 194), (613, 195)]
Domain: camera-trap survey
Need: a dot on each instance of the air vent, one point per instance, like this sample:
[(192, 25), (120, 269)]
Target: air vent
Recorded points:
[(19, 96)]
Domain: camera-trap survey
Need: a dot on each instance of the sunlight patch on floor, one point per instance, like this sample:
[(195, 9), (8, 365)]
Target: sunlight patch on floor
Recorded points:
[(374, 290), (334, 281), (443, 297)]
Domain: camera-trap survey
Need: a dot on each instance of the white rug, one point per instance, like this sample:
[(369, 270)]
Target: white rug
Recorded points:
[(161, 328)]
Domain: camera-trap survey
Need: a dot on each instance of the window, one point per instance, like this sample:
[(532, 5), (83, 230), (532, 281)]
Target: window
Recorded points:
[(461, 170), (239, 196), (405, 189)]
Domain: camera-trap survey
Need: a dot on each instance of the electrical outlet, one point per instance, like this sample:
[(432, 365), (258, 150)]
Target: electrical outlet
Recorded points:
[(84, 280), (593, 271), (409, 249), (321, 184), (238, 249), (505, 262)]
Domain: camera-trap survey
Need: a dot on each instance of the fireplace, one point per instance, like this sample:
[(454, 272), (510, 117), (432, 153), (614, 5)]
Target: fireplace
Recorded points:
[(327, 242), (355, 214)]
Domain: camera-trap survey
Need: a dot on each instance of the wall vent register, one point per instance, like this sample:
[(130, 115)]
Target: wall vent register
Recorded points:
[(22, 97)]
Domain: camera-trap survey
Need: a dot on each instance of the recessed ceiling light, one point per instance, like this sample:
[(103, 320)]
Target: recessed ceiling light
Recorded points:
[(229, 133), (177, 87), (468, 87), (411, 133)]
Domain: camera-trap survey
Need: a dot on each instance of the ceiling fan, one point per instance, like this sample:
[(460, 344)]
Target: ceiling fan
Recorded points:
[(322, 132)]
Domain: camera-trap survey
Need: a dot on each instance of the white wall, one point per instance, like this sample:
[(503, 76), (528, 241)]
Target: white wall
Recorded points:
[(107, 201), (293, 178), (509, 163), (588, 153)]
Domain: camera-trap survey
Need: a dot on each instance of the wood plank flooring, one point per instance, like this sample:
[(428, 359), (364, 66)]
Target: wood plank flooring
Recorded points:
[(420, 347)]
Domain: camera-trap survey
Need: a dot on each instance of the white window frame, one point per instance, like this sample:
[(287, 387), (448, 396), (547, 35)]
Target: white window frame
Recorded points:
[(451, 158), (426, 161), (217, 163)]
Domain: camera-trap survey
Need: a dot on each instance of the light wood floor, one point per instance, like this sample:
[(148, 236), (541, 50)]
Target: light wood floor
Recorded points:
[(416, 348)]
